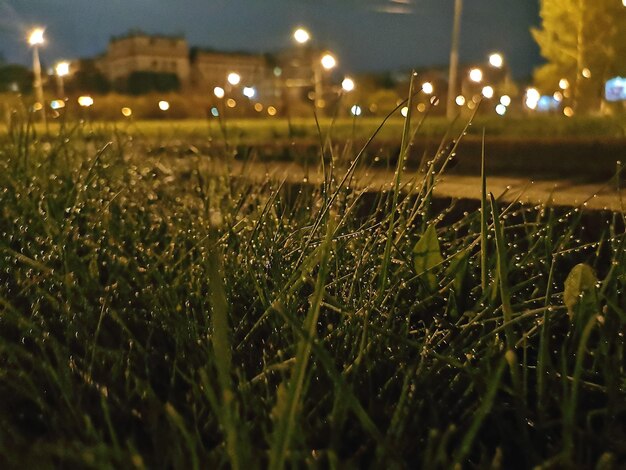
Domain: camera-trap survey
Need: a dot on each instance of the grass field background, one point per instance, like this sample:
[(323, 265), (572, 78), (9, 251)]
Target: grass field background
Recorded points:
[(155, 319)]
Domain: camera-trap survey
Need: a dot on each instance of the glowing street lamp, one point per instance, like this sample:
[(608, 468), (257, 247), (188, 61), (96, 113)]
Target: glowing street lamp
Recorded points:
[(488, 92), (328, 61), (36, 39), (301, 36), (428, 88), (496, 60), (62, 69), (532, 98), (249, 92), (348, 85), (85, 101), (219, 92), (476, 75), (234, 78)]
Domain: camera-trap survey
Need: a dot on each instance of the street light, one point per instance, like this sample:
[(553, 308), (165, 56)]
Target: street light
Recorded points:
[(428, 88), (496, 60), (302, 36), (348, 84), (62, 70), (476, 75), (219, 92), (234, 78), (488, 92), (36, 39), (328, 61)]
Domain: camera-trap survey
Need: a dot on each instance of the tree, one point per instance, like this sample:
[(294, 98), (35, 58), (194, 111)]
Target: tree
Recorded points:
[(583, 41), (89, 79), (140, 83), (15, 78)]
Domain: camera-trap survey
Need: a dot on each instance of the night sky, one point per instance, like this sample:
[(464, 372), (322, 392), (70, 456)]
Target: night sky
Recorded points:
[(366, 35)]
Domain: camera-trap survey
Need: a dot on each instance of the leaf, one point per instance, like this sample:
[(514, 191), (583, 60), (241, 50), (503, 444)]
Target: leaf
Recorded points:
[(427, 255), (457, 269), (580, 289)]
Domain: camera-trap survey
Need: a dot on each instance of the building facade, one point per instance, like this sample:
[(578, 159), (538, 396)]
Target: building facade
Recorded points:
[(139, 52)]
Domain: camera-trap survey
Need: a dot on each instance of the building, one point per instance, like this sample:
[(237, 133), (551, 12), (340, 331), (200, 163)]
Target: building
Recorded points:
[(210, 69), (139, 52)]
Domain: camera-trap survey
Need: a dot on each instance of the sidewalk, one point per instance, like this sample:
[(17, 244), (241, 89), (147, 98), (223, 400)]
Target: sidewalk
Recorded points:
[(562, 193)]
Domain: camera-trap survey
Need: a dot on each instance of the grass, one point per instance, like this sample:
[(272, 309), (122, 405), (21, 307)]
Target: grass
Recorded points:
[(270, 130), (151, 317)]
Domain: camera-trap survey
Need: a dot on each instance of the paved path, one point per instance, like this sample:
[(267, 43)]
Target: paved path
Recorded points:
[(563, 193)]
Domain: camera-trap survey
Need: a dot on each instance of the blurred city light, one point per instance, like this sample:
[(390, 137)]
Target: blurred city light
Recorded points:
[(568, 111), (57, 104), (476, 75), (164, 105), (258, 107), (488, 92), (586, 73), (249, 92), (218, 91), (35, 37), (558, 96), (231, 103), (348, 84), (356, 110), (564, 83), (533, 94), (405, 111), (428, 88), (234, 78), (62, 69), (328, 61), (460, 100), (496, 60), (85, 101), (215, 112), (271, 110), (505, 100), (301, 36), (127, 112), (501, 109), (532, 98)]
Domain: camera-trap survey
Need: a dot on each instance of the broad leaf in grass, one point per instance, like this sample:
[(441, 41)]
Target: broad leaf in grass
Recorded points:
[(580, 293), (427, 255)]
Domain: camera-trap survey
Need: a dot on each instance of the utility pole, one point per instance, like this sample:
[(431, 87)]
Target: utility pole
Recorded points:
[(454, 60)]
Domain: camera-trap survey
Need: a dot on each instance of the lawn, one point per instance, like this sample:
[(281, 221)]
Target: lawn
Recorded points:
[(158, 317)]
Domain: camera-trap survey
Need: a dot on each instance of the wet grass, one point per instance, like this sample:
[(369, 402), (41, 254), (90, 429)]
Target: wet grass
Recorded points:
[(151, 320)]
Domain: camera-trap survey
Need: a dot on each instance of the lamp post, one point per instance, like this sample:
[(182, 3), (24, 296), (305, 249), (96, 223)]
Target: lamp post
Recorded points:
[(454, 59), (35, 39), (326, 63), (62, 69)]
